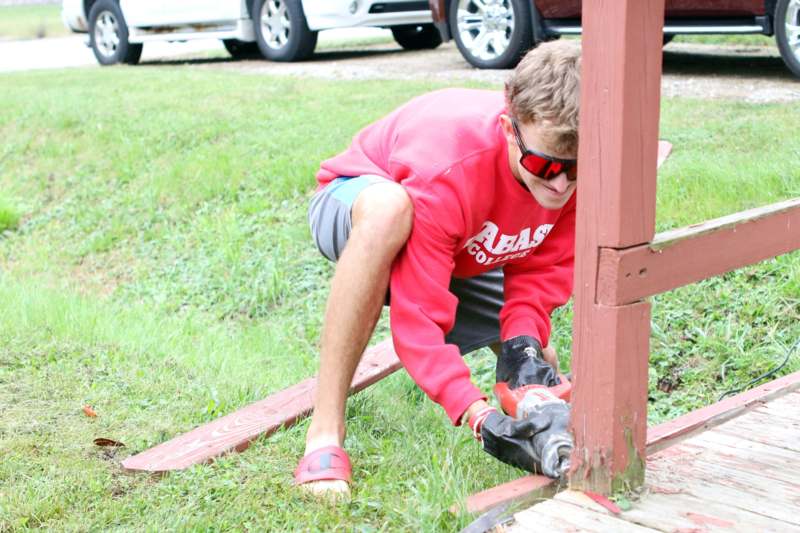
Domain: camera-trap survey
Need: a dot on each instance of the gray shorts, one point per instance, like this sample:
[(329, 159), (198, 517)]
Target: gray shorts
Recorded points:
[(479, 299)]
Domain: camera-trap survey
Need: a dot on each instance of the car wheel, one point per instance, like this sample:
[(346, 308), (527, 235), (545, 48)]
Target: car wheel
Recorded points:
[(787, 33), (241, 49), (491, 33), (282, 32), (417, 36), (108, 35)]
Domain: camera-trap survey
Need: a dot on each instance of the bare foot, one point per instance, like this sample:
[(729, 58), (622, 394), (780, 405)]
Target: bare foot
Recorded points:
[(328, 490)]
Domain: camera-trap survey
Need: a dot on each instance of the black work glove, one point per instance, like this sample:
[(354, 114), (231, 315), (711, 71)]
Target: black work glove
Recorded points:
[(521, 363), (540, 440)]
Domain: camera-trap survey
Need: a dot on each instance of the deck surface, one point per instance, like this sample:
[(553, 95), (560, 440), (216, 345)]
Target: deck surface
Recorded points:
[(743, 475)]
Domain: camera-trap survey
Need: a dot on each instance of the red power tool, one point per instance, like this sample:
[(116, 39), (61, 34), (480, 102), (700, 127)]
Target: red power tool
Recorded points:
[(518, 402), (554, 447)]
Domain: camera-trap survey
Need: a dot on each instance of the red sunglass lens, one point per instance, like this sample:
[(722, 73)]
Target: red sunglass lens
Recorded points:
[(553, 170), (572, 172), (535, 165)]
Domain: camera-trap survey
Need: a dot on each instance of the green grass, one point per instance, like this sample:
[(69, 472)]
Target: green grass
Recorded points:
[(9, 216), (160, 270), (728, 40), (31, 22)]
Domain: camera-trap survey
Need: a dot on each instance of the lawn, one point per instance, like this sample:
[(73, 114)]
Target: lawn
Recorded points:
[(732, 40), (155, 264), (31, 22)]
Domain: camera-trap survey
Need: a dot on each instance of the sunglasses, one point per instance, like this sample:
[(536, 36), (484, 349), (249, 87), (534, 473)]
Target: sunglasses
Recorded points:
[(541, 165)]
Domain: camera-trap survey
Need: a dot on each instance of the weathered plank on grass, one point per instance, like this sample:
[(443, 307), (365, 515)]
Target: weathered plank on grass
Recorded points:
[(666, 434), (687, 255), (237, 430), (528, 487)]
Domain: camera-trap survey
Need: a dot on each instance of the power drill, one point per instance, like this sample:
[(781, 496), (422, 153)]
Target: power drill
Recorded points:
[(524, 401)]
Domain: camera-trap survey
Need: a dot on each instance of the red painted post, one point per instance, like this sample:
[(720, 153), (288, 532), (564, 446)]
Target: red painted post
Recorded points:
[(620, 89)]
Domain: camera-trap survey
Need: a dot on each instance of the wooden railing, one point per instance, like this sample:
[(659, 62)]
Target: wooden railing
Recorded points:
[(619, 259)]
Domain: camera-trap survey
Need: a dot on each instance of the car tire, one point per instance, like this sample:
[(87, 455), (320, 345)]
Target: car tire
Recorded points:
[(108, 35), (417, 36), (281, 30), (492, 39), (787, 33), (241, 49)]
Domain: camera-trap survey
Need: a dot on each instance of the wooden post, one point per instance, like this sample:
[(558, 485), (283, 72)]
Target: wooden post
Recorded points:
[(620, 89)]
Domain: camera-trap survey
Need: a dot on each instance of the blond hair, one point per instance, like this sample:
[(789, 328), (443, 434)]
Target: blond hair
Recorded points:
[(545, 86)]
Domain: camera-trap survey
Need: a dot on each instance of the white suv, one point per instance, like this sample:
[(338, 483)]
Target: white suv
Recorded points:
[(280, 30)]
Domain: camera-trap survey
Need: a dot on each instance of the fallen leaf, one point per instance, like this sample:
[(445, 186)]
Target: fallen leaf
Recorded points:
[(102, 441), (88, 411)]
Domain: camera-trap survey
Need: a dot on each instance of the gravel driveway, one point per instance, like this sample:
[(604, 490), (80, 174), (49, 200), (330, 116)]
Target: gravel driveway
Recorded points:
[(750, 74)]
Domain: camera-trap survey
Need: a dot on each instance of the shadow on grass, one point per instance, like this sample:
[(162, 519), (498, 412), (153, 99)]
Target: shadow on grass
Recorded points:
[(725, 65), (318, 57), (675, 62)]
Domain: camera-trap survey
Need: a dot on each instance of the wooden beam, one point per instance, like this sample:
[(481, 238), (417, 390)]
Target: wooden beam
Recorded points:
[(686, 255), (620, 97), (235, 432), (620, 90), (609, 399)]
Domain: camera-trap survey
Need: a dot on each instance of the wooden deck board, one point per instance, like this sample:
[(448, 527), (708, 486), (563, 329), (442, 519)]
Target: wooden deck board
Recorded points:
[(698, 474), (686, 512), (782, 409), (564, 516), (761, 427), (673, 479), (789, 403), (757, 456), (740, 476)]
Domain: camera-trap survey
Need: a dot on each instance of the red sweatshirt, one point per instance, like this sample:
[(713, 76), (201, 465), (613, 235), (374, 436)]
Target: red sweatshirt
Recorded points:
[(471, 215)]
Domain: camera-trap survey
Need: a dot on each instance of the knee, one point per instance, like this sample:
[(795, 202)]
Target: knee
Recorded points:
[(386, 213)]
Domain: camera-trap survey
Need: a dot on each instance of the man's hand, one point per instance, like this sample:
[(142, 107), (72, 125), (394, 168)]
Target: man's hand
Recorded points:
[(521, 362), (541, 438)]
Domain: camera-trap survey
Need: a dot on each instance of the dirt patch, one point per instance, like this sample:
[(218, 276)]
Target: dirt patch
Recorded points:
[(748, 74)]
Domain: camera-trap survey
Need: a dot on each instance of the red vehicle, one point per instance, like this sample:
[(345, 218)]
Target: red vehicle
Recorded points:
[(495, 33)]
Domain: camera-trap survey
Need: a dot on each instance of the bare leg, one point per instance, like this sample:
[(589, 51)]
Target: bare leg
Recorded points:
[(382, 219)]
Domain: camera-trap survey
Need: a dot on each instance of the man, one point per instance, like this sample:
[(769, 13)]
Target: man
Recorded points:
[(461, 203)]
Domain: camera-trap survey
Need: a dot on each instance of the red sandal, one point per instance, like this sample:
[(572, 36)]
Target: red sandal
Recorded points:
[(328, 463)]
